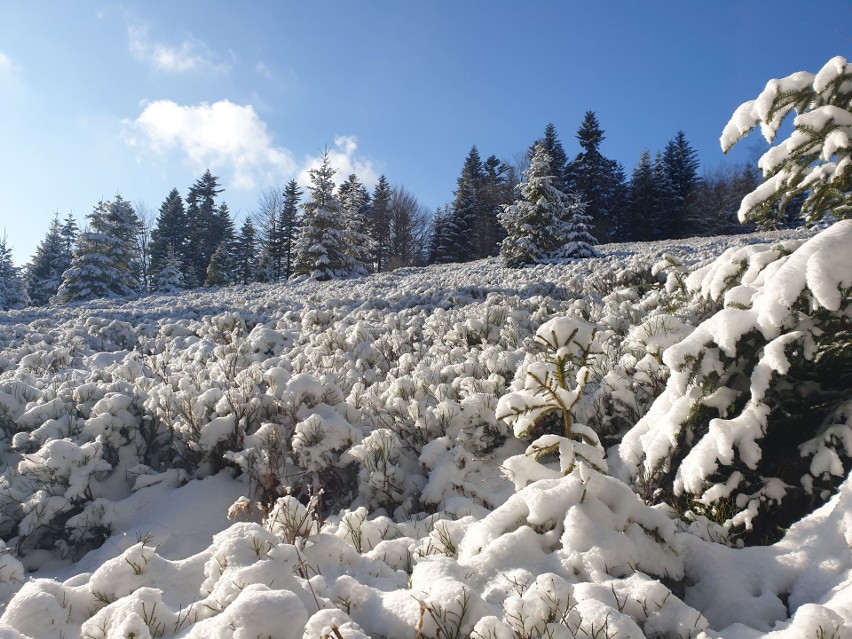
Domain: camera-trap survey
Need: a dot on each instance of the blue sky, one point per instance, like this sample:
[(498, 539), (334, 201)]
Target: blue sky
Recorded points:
[(137, 98)]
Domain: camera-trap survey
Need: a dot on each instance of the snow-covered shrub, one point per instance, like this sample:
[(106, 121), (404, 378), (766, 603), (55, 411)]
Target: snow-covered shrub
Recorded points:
[(754, 428), (816, 160)]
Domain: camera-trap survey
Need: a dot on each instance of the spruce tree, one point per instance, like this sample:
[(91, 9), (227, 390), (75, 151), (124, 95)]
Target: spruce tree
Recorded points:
[(354, 200), (170, 276), (649, 200), (13, 291), (203, 225), (321, 249), (218, 269), (379, 214), (462, 229), (681, 165), (247, 266), (44, 273), (103, 262), (169, 239), (439, 249), (497, 188), (543, 220), (595, 179), (69, 234), (558, 159), (289, 224)]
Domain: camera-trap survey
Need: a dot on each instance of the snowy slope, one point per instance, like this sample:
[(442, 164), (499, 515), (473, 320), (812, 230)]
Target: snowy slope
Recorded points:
[(339, 459)]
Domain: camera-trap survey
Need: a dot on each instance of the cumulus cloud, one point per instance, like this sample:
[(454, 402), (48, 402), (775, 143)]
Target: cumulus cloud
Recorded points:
[(345, 160), (232, 140), (222, 136), (191, 54)]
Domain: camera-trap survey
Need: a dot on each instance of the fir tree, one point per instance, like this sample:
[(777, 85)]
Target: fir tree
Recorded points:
[(681, 166), (103, 262), (13, 291), (321, 250), (69, 234), (44, 273), (595, 179), (543, 220), (169, 239)]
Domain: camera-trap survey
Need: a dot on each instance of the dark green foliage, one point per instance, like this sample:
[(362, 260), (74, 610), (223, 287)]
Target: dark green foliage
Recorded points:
[(51, 260), (169, 239)]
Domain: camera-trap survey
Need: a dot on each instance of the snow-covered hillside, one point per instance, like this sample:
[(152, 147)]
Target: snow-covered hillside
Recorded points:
[(571, 450)]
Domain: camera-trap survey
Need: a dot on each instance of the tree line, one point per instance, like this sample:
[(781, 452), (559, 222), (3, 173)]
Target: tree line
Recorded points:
[(348, 230)]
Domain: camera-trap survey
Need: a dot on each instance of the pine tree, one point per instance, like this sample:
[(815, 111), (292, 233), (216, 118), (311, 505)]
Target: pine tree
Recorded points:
[(247, 266), (69, 234), (204, 233), (322, 243), (681, 165), (543, 220), (13, 291), (226, 235), (379, 214), (44, 273), (595, 179), (169, 239), (103, 262)]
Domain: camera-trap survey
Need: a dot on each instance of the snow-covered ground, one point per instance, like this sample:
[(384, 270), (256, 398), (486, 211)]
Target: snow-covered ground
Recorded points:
[(456, 451)]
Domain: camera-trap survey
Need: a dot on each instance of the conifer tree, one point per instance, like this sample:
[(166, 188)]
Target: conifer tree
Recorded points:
[(13, 291), (354, 200), (815, 161), (69, 234), (170, 276), (543, 220), (170, 236), (379, 214), (103, 262), (681, 165), (44, 273), (558, 159), (462, 230), (438, 249), (289, 225), (594, 178), (204, 227), (321, 247), (218, 269), (246, 254), (498, 184)]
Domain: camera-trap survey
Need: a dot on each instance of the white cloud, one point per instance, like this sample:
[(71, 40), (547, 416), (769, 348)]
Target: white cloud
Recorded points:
[(232, 138), (345, 161), (5, 64), (222, 136), (191, 54)]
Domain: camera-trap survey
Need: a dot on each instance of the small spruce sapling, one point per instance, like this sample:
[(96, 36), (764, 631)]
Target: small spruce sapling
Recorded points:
[(545, 393)]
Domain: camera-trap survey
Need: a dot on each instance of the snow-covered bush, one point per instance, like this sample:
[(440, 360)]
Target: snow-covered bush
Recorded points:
[(754, 428), (816, 160)]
